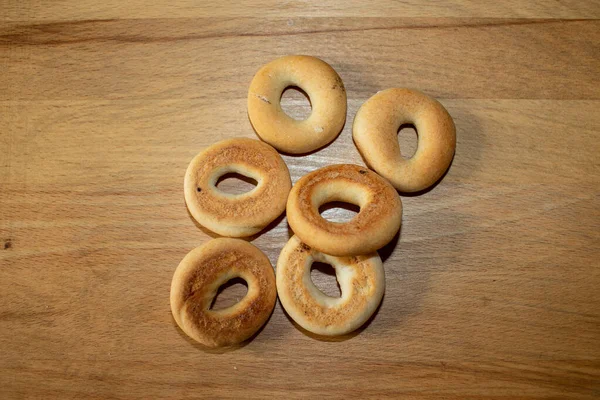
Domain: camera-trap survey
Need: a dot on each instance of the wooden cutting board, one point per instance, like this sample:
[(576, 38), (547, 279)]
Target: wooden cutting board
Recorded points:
[(493, 286)]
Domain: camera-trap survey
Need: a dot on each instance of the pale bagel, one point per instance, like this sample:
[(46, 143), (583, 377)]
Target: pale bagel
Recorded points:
[(247, 213), (327, 96), (199, 276), (375, 132), (361, 280), (373, 227)]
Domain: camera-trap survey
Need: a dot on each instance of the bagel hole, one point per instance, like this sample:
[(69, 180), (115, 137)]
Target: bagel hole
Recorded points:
[(296, 103), (324, 278), (230, 293), (339, 211), (408, 139), (234, 183)]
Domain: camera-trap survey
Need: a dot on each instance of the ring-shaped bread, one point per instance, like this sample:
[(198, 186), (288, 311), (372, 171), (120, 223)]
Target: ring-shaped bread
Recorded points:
[(373, 227), (242, 214), (197, 280), (361, 280), (375, 132), (325, 90)]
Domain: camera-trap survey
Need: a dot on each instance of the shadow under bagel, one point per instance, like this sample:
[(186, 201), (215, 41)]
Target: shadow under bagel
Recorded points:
[(222, 349), (418, 192), (433, 186), (250, 238), (339, 338)]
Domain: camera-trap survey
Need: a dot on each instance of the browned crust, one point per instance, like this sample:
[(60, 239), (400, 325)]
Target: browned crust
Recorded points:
[(317, 313), (249, 213), (373, 227), (366, 291), (386, 199), (197, 278)]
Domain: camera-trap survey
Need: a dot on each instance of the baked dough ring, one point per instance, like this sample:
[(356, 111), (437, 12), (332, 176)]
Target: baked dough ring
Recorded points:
[(361, 279), (244, 214), (199, 276), (375, 132), (375, 225), (327, 96)]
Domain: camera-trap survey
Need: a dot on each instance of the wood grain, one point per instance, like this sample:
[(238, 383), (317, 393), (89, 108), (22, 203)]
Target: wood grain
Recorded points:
[(492, 284), (87, 9)]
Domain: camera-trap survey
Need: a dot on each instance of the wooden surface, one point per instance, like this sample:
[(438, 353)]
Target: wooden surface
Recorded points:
[(493, 289)]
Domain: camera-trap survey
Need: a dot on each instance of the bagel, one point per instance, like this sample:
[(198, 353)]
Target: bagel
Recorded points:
[(199, 276), (375, 224), (327, 96), (244, 214), (361, 280), (375, 133)]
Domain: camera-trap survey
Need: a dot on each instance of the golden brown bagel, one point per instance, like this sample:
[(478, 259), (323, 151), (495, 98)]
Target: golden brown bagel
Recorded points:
[(247, 213), (375, 132), (327, 96), (375, 225), (199, 276), (361, 279)]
